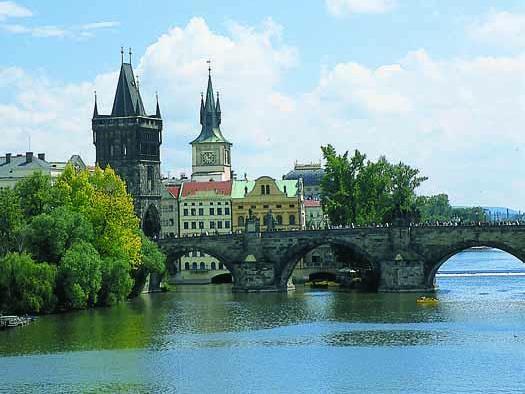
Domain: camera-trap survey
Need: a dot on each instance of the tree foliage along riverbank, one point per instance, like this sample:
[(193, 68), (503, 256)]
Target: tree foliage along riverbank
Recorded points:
[(71, 244), (360, 191)]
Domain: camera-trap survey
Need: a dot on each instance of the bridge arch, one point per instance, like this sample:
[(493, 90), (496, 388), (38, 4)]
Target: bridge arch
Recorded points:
[(459, 247), (176, 251), (356, 254)]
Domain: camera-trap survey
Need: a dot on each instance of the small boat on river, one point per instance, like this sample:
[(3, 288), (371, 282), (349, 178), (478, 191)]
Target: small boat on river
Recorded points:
[(14, 321), (427, 301)]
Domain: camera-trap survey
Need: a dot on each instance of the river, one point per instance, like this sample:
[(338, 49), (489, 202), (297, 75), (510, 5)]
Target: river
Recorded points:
[(204, 339)]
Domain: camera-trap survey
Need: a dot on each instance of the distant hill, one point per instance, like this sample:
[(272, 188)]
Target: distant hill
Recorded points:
[(499, 213)]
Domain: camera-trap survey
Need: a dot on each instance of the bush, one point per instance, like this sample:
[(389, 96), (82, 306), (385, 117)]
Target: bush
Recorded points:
[(79, 276), (26, 286)]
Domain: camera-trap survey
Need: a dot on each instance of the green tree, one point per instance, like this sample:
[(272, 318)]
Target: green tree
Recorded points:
[(339, 185), (35, 193), (26, 286), (11, 222), (79, 276), (49, 235), (405, 180), (434, 208), (373, 192), (116, 281)]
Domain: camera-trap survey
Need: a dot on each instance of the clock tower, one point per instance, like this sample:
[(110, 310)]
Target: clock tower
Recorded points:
[(211, 159)]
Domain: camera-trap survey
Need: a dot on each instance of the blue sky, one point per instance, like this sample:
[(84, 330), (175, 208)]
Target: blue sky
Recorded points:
[(437, 84)]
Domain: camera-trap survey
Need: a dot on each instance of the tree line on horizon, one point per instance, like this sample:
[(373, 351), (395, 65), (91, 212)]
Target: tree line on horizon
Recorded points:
[(355, 190), (71, 244)]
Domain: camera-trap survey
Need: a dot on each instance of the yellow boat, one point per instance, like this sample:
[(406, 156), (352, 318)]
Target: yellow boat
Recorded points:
[(427, 301)]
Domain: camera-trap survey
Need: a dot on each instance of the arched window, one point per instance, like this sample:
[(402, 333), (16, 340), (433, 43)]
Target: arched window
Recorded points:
[(213, 266), (194, 266), (262, 189), (279, 220), (187, 266), (221, 266), (267, 189), (202, 266), (292, 219), (240, 221)]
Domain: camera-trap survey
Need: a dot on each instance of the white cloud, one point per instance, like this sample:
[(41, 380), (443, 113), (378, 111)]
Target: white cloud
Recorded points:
[(75, 32), (458, 120), (501, 28), (10, 9), (342, 8)]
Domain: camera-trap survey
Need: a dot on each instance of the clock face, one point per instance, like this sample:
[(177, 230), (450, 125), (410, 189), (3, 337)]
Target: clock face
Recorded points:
[(208, 158)]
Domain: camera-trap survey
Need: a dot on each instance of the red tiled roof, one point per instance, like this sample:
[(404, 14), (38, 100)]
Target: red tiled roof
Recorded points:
[(222, 187), (174, 191), (312, 203)]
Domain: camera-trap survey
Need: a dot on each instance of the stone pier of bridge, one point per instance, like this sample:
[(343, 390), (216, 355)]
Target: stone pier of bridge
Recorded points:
[(402, 259)]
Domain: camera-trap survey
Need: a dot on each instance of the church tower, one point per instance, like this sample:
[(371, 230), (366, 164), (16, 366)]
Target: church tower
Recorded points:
[(129, 141), (211, 158)]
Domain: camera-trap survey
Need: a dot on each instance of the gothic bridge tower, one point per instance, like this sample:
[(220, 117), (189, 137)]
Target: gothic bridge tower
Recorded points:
[(129, 141), (211, 158)]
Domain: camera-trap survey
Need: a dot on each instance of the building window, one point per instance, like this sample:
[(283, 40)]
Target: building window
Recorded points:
[(212, 224), (221, 266), (185, 211), (187, 266), (212, 211), (267, 189), (219, 203), (240, 221), (171, 208), (227, 224), (203, 266), (292, 205), (185, 204), (226, 211), (253, 207), (201, 225), (278, 206), (262, 189), (292, 219), (279, 220), (172, 222), (213, 266), (193, 225), (193, 211), (200, 204), (219, 224), (226, 203), (219, 211), (186, 226), (240, 207), (192, 204), (266, 206), (245, 190), (201, 211)]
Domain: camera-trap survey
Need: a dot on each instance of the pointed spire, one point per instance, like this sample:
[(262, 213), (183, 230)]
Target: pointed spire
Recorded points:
[(157, 111), (210, 116), (127, 97), (202, 109), (218, 109), (95, 110)]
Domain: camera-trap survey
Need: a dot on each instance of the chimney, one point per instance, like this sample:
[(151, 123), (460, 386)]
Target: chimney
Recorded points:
[(42, 156), (7, 158), (29, 157)]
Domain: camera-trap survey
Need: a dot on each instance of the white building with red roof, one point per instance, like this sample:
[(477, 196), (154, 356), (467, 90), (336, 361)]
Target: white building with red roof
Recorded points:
[(204, 208)]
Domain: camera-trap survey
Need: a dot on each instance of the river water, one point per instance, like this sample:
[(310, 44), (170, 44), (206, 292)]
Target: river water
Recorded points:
[(207, 340)]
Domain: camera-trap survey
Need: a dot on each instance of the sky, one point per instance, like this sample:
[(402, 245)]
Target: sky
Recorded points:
[(437, 84)]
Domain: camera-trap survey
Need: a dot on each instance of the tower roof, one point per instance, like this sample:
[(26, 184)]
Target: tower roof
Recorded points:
[(210, 119), (127, 97)]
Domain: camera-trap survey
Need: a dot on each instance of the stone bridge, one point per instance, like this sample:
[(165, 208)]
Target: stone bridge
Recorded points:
[(401, 258)]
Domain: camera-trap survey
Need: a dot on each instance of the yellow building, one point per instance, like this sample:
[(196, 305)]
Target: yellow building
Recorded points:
[(204, 208), (283, 199)]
